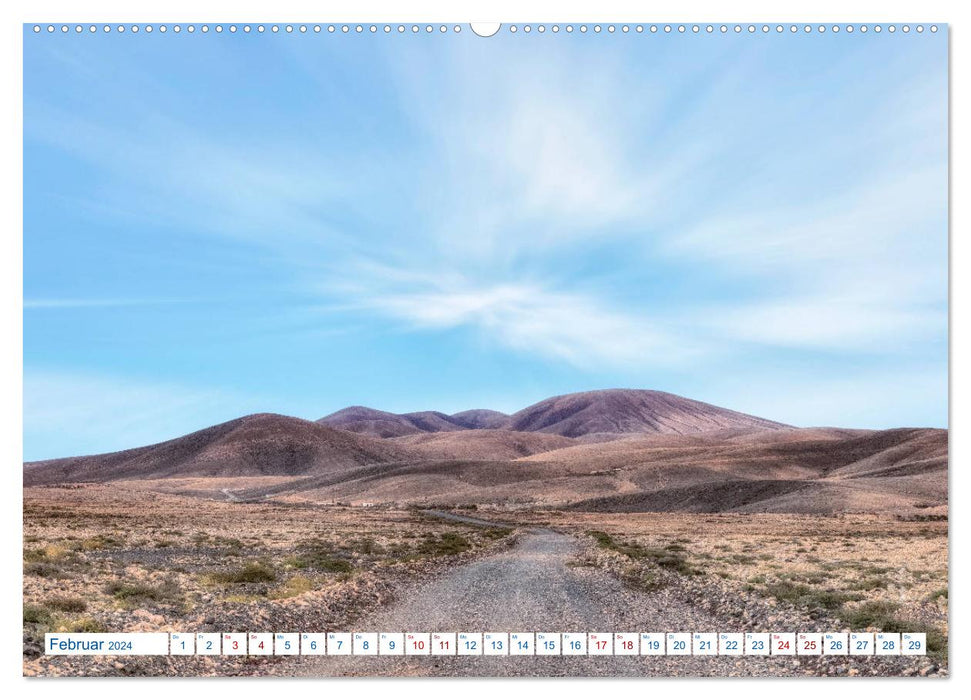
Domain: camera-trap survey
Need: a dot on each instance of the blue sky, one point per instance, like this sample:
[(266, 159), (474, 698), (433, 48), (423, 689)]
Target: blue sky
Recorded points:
[(222, 224)]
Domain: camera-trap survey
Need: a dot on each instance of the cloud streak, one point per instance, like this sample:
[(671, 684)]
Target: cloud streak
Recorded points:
[(606, 210), (528, 318)]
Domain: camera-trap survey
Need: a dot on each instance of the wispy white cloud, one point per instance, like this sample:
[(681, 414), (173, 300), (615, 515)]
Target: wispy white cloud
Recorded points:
[(518, 170), (512, 174), (279, 198), (829, 321), (863, 269), (825, 235), (854, 263), (530, 318), (540, 157)]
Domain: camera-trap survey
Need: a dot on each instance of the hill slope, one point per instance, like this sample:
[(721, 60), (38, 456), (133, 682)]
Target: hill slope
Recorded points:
[(483, 444), (481, 418), (596, 415), (616, 450), (819, 471), (256, 445), (628, 411), (370, 421)]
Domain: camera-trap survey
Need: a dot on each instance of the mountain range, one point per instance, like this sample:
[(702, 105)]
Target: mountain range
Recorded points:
[(610, 412), (616, 450)]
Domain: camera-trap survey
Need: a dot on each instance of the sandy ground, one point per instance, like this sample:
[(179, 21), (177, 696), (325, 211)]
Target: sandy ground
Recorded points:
[(113, 558), (536, 586)]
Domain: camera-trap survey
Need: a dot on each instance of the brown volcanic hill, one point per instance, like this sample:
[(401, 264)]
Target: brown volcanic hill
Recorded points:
[(481, 418), (795, 453), (817, 470), (597, 416), (256, 445), (370, 421), (483, 444), (617, 450), (630, 411), (432, 421)]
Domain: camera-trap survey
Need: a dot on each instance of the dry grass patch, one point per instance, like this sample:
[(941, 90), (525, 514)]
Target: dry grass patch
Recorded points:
[(250, 572)]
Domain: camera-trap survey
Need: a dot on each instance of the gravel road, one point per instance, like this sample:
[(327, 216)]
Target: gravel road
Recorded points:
[(532, 588), (466, 519)]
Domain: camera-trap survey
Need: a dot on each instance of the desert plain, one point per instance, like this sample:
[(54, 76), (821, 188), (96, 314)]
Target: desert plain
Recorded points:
[(606, 511)]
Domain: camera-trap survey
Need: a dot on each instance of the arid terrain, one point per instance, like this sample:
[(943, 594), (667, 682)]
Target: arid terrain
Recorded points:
[(618, 510), (609, 451), (116, 558)]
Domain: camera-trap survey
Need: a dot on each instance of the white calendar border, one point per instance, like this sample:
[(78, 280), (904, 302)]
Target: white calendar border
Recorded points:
[(509, 10)]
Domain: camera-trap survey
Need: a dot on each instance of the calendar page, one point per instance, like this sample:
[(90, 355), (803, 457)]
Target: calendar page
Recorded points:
[(449, 349)]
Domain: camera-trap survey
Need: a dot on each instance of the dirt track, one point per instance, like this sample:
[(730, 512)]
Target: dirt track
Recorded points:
[(465, 519), (532, 588)]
